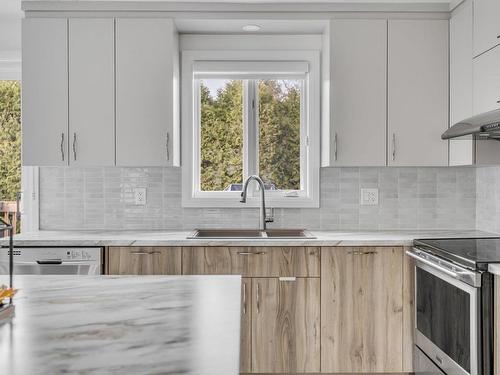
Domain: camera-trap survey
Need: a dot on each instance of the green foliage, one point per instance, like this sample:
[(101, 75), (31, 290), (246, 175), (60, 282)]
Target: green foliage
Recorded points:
[(10, 140), (222, 135), (279, 134)]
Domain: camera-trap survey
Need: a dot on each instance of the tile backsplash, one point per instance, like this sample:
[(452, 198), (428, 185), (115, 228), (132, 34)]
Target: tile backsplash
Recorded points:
[(409, 198), (488, 199)]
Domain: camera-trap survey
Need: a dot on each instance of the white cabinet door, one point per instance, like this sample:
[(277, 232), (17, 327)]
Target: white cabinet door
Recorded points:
[(486, 25), (146, 80), (91, 92), (461, 51), (45, 91), (487, 81), (417, 92), (487, 98), (358, 86)]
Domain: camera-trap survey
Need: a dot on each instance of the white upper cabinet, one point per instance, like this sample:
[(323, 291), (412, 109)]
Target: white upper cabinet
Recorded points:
[(417, 92), (486, 25), (487, 81), (461, 51), (358, 90), (91, 92), (146, 92), (487, 98), (45, 91)]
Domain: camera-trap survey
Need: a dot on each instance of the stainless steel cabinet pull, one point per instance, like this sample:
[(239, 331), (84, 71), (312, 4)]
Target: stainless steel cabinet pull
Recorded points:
[(362, 252), (287, 279), (393, 146), (62, 146), (167, 145), (250, 253), (244, 298), (258, 298), (335, 147), (74, 146), (498, 101), (144, 253)]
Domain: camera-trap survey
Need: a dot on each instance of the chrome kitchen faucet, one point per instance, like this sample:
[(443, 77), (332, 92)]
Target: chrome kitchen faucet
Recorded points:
[(263, 219)]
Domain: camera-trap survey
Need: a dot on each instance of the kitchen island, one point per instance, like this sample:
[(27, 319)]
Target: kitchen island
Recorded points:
[(139, 325)]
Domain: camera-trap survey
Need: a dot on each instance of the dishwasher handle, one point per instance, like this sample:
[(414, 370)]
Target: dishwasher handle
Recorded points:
[(49, 261)]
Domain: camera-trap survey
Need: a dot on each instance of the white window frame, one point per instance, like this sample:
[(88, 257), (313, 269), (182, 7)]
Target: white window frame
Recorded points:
[(310, 132)]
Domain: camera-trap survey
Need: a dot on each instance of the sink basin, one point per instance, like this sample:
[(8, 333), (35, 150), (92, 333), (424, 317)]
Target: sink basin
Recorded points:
[(227, 233), (250, 234)]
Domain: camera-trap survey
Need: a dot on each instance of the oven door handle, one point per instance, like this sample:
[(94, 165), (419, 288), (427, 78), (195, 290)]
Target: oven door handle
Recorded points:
[(432, 264)]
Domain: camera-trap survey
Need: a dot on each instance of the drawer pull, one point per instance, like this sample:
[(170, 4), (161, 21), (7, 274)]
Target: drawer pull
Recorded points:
[(287, 279), (251, 253), (362, 252), (144, 253)]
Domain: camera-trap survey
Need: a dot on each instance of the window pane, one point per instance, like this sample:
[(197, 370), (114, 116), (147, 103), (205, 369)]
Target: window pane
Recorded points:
[(279, 133), (221, 154)]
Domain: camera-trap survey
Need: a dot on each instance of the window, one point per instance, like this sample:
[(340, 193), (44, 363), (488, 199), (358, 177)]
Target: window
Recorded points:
[(250, 117)]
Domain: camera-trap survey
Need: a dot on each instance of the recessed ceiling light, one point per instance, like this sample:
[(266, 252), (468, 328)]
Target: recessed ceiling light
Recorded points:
[(251, 28)]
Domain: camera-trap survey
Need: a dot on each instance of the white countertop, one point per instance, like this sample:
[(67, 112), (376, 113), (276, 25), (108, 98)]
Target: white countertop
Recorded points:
[(178, 238), (118, 325), (494, 269)]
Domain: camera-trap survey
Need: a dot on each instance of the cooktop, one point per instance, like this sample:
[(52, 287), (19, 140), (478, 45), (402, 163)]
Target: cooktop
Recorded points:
[(475, 253)]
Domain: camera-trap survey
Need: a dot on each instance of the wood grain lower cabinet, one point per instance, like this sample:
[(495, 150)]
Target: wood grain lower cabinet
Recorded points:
[(246, 326), (285, 325), (252, 261), (497, 326), (144, 260), (361, 309)]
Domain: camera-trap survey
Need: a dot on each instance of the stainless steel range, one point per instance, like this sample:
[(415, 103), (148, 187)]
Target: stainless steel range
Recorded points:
[(454, 305)]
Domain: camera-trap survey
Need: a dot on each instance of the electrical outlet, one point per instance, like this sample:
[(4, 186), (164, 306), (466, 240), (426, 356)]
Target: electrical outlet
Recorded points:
[(369, 197), (140, 196)]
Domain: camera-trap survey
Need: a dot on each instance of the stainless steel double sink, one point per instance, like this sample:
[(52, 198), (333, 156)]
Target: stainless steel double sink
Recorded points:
[(251, 234)]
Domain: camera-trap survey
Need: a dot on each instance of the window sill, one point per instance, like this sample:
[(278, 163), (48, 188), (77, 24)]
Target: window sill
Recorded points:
[(233, 202)]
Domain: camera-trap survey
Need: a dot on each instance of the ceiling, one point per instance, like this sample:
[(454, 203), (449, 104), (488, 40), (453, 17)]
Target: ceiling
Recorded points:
[(11, 14)]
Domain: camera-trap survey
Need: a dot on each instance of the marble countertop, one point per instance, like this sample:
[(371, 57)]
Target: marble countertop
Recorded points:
[(178, 238), (494, 269), (123, 325)]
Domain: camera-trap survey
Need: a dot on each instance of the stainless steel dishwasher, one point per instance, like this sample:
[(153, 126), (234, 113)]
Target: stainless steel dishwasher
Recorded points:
[(53, 261)]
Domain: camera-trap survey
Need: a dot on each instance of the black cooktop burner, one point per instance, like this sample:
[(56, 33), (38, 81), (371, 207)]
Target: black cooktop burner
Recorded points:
[(474, 253)]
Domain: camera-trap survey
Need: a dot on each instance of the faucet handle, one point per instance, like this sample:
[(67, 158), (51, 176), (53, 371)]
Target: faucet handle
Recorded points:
[(269, 219)]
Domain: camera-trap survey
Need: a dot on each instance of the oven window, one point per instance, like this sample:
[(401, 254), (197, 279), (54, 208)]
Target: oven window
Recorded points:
[(443, 316)]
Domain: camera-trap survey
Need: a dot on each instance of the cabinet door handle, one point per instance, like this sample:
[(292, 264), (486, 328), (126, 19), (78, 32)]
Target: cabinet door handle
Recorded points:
[(335, 147), (74, 146), (362, 252), (250, 253), (62, 146), (393, 146), (498, 101), (167, 144), (258, 298), (244, 298)]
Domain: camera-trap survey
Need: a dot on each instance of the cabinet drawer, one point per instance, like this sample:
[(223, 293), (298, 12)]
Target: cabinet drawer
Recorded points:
[(144, 260), (252, 261)]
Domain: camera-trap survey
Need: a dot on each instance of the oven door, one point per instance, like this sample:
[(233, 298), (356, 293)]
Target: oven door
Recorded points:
[(447, 310)]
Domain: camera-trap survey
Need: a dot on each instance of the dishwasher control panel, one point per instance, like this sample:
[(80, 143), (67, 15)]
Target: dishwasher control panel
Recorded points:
[(63, 253)]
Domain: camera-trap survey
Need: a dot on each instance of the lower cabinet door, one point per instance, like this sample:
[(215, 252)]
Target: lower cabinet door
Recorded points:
[(246, 326), (361, 309), (144, 260), (285, 325)]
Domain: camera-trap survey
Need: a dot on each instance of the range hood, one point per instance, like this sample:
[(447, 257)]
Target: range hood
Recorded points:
[(483, 126)]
